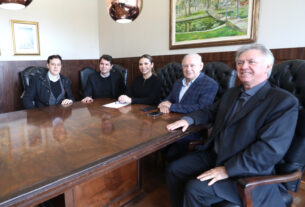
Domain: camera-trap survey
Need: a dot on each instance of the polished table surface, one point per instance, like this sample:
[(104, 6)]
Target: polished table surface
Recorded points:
[(44, 152)]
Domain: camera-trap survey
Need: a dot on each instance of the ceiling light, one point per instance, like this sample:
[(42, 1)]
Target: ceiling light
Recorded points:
[(14, 4), (124, 11)]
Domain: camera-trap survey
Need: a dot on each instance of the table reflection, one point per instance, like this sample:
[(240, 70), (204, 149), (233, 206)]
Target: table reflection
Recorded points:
[(50, 125), (106, 125)]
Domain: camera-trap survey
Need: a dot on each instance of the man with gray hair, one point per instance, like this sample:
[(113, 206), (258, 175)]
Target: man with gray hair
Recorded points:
[(247, 139)]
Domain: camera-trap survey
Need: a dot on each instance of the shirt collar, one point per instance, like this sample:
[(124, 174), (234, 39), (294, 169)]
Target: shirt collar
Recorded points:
[(53, 78), (105, 76), (190, 83), (252, 91)]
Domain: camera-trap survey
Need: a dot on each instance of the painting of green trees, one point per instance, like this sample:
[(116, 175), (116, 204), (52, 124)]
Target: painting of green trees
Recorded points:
[(205, 19)]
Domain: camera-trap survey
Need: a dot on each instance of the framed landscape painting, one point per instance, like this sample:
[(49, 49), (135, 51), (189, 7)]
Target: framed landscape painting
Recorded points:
[(202, 23)]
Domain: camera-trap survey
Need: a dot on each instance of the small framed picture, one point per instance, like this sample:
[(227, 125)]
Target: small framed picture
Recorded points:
[(25, 37)]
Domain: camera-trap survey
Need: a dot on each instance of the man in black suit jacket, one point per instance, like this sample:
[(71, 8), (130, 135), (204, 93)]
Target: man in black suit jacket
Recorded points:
[(50, 88), (106, 84), (253, 126)]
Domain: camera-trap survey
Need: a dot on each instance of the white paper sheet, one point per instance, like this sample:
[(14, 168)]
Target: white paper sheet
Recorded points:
[(115, 105)]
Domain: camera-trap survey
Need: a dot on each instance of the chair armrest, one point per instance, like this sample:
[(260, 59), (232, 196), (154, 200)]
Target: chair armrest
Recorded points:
[(252, 182), (245, 185)]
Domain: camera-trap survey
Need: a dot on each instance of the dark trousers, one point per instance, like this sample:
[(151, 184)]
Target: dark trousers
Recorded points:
[(184, 188)]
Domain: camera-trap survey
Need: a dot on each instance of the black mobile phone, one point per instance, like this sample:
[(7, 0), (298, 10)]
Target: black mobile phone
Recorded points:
[(149, 108), (154, 113)]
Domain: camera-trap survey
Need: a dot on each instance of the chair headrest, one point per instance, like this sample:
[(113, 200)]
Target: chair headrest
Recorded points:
[(29, 72), (168, 74), (290, 75), (222, 74), (123, 71), (84, 73)]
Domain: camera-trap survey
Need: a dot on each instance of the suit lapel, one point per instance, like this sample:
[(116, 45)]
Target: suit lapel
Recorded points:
[(45, 81), (177, 92), (63, 82), (225, 107), (225, 112), (254, 102)]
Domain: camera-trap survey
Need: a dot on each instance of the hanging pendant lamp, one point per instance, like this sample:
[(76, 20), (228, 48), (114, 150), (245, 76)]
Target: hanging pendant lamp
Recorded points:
[(124, 11), (14, 4)]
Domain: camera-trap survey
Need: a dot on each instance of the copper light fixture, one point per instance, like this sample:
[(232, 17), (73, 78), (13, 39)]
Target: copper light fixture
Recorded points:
[(124, 11), (14, 4)]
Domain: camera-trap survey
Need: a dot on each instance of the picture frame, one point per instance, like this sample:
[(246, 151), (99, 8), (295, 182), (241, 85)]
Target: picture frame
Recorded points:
[(197, 23), (25, 35)]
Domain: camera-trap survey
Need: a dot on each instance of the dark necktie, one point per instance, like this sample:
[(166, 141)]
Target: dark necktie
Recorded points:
[(240, 103)]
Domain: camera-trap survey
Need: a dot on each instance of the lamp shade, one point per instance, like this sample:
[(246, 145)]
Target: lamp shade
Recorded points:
[(14, 4), (124, 11)]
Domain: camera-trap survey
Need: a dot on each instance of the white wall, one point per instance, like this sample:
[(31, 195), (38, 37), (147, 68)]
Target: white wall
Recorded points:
[(78, 29), (281, 25), (66, 27)]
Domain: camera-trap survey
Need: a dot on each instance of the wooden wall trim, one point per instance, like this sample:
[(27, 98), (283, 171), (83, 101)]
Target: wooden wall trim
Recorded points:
[(11, 87)]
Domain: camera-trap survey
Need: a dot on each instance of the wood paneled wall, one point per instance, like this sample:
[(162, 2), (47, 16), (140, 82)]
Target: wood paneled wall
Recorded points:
[(11, 87)]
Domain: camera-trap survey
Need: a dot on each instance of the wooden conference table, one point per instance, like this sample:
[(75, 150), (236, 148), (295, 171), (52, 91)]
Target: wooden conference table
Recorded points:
[(87, 152)]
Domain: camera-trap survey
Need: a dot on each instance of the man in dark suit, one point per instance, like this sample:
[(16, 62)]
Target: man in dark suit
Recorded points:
[(253, 126), (106, 84), (192, 92)]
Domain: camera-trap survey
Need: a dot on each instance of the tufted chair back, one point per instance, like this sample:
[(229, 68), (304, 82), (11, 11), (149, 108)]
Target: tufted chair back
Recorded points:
[(123, 71), (28, 73), (290, 75), (168, 74), (84, 75), (222, 74)]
